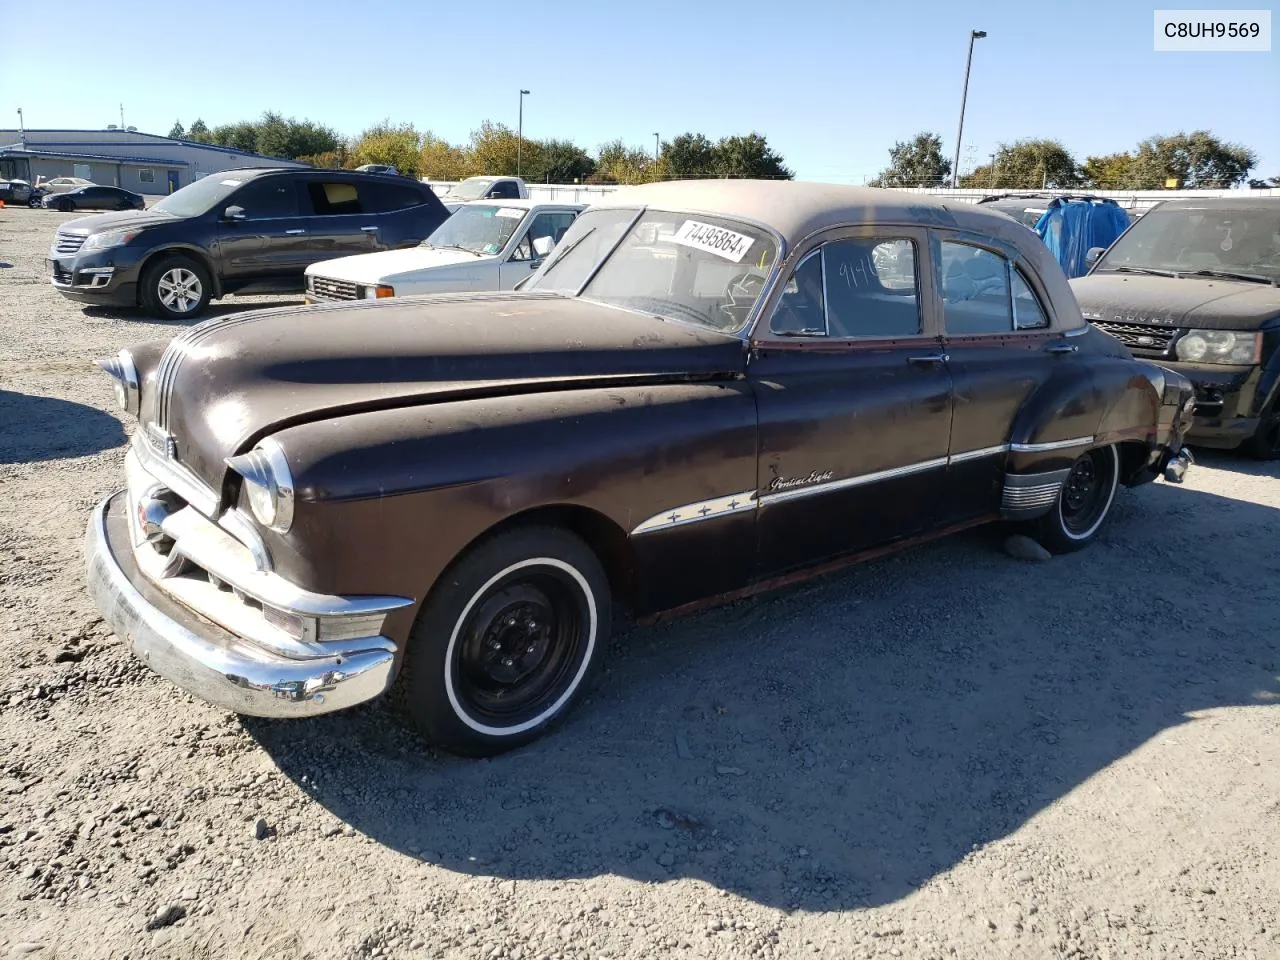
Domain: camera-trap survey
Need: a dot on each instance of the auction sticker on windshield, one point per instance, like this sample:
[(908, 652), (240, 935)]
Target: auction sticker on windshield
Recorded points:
[(511, 213), (716, 240)]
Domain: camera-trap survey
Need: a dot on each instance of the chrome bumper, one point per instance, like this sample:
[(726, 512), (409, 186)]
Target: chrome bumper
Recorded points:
[(1176, 469), (207, 660)]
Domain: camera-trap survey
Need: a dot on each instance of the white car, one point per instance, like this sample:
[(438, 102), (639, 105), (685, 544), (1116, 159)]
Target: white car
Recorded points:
[(65, 184), (485, 245)]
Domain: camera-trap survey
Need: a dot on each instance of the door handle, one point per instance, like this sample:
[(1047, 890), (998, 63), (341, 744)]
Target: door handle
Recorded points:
[(294, 233), (1061, 348), (369, 229), (933, 358)]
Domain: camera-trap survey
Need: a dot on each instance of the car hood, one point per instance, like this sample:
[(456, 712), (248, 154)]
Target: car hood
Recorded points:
[(123, 220), (1201, 302), (227, 382), (386, 266)]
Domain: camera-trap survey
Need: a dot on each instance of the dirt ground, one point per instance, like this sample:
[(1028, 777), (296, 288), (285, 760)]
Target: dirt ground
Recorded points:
[(947, 753)]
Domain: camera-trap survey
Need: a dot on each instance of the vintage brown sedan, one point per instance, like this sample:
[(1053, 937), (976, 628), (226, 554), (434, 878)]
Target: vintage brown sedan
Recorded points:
[(709, 389)]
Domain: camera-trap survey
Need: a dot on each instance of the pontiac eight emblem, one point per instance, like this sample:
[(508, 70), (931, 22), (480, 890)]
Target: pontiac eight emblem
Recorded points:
[(790, 483)]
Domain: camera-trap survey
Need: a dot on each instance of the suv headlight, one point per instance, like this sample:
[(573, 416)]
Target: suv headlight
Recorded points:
[(113, 238), (124, 380), (268, 484), (1220, 346)]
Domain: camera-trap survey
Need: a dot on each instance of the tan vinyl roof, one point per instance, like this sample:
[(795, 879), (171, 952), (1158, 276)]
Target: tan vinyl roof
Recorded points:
[(798, 209)]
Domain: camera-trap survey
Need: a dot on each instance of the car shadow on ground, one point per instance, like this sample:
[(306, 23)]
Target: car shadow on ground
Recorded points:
[(836, 744), (38, 428), (1236, 462), (219, 308)]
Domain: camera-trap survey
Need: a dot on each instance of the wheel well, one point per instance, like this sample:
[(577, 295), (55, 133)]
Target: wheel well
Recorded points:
[(1133, 459), (605, 538), (197, 255)]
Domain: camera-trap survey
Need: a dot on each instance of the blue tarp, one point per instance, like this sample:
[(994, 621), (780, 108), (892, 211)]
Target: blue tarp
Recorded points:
[(1070, 227)]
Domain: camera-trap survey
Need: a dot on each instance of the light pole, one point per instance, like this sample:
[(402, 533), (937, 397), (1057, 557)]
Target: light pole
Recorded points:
[(22, 132), (520, 131), (655, 147), (955, 169)]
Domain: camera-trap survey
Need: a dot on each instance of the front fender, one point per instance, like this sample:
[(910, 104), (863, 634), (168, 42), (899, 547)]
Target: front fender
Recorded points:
[(385, 500)]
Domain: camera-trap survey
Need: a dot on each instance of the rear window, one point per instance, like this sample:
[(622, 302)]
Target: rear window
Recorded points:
[(330, 197), (384, 197)]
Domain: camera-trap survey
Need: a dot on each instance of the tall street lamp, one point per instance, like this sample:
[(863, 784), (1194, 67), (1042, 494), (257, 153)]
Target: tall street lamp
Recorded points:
[(955, 169), (655, 148), (520, 130), (22, 133)]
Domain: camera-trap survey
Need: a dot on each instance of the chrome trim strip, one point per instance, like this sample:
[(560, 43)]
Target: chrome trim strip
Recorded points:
[(1052, 445), (1076, 331), (891, 474), (175, 476), (700, 510), (978, 454)]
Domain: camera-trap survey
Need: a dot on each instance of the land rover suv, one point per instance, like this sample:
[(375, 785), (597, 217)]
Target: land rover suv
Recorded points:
[(239, 231)]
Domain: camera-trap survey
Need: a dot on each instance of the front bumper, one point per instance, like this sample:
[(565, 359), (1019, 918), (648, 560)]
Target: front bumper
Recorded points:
[(1226, 398), (203, 658), (108, 278)]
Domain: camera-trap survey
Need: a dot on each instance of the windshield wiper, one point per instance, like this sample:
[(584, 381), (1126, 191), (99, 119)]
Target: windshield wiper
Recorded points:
[(1150, 271), (1232, 275), (453, 246), (565, 251)]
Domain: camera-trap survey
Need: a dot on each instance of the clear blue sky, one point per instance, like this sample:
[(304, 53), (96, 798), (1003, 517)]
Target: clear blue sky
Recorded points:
[(831, 83)]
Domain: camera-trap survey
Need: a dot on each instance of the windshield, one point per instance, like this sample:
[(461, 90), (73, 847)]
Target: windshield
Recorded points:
[(1232, 240), (201, 196), (709, 271), (471, 189), (483, 229)]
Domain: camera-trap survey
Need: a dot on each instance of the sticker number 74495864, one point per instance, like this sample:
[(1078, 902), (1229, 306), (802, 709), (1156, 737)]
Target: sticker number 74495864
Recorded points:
[(716, 240)]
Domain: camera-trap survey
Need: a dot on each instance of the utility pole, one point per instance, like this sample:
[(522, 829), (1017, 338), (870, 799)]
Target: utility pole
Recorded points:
[(22, 130), (955, 168), (655, 147), (520, 130), (122, 118)]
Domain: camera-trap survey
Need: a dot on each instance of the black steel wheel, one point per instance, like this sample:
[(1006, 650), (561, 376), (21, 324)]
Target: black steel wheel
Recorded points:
[(1083, 504), (506, 641)]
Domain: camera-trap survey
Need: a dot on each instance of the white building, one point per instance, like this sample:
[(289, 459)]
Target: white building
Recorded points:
[(142, 162)]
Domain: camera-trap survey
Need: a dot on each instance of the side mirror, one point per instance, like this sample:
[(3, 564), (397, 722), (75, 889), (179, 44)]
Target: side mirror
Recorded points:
[(1094, 253), (542, 246), (234, 213)]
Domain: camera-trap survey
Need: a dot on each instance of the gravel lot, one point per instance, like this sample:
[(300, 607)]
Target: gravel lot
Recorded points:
[(946, 753)]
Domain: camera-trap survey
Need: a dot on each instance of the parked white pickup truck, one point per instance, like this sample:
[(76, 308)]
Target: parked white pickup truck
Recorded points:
[(484, 188), (485, 245)]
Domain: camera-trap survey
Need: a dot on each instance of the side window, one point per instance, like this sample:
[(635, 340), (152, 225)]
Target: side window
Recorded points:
[(385, 197), (871, 288), (506, 190), (800, 311), (146, 175), (546, 227), (267, 198), (1027, 312), (333, 197), (975, 290)]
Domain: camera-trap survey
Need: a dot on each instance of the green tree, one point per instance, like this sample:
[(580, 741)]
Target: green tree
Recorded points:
[(688, 156), (560, 161), (749, 156), (1027, 165), (917, 162), (290, 138), (618, 163), (1111, 172), (493, 151), (438, 159), (199, 132), (1197, 160), (399, 145), (239, 136), (1269, 183), (176, 131)]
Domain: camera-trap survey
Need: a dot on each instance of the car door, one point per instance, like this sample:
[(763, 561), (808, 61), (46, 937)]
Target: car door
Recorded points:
[(854, 400), (1000, 350), (265, 240), (342, 218), (544, 230)]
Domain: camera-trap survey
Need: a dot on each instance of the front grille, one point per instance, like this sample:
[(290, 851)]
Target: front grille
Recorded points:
[(334, 289), (65, 244), (61, 276), (1139, 336)]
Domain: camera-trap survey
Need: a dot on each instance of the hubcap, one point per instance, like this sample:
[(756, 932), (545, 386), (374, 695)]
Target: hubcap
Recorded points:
[(520, 648), (180, 289)]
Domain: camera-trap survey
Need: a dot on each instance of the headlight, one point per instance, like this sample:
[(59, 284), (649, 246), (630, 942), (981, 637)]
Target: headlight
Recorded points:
[(1220, 346), (114, 238), (268, 484), (124, 381), (379, 291)]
